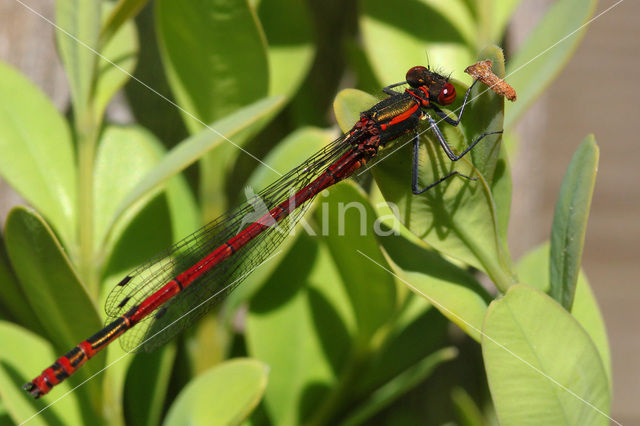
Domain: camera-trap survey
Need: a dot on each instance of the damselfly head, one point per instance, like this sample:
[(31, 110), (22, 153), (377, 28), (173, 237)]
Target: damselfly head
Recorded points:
[(440, 90)]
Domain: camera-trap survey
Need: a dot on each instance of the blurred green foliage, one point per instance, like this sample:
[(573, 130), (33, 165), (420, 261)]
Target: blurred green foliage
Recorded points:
[(339, 328)]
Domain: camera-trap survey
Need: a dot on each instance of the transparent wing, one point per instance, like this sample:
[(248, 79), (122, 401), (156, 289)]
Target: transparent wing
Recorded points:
[(196, 299)]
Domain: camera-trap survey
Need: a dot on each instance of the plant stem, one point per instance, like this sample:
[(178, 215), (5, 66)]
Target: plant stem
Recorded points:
[(336, 399), (496, 269)]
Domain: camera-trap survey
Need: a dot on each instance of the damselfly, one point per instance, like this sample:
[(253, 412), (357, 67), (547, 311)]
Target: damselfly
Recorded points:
[(160, 298)]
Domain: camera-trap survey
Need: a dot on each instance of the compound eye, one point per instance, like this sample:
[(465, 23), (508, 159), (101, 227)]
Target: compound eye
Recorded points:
[(447, 94), (415, 76)]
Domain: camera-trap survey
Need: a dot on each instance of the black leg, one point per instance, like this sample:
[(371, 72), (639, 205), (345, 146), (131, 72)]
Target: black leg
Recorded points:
[(414, 171), (443, 142), (444, 115), (389, 89), (428, 187)]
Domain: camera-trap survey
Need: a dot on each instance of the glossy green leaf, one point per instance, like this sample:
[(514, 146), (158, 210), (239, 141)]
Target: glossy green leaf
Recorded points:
[(541, 365), (22, 356), (157, 221), (388, 218), (347, 220), (401, 384), (457, 14), (122, 52), (533, 269), (223, 395), (37, 154), (77, 43), (125, 155), (458, 217), (147, 384), (121, 14), (214, 57), (57, 297), (289, 153), (13, 301), (444, 32), (502, 190), (348, 105), (545, 52), (570, 222), (190, 150), (453, 291), (288, 28), (309, 313), (499, 13)]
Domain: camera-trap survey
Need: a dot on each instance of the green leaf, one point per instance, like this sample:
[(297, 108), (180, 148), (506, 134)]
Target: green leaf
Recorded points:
[(214, 56), (453, 291), (12, 299), (348, 224), (77, 44), (57, 297), (410, 29), (37, 154), (190, 150), (533, 270), (120, 15), (570, 222), (122, 52), (22, 355), (545, 52), (288, 28), (314, 310), (501, 190), (542, 367), (458, 217), (157, 221), (499, 14), (457, 14), (468, 413), (348, 105), (237, 386), (125, 156), (216, 62), (399, 385), (147, 384)]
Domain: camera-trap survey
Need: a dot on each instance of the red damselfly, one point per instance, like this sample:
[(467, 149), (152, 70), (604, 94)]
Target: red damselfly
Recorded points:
[(156, 301)]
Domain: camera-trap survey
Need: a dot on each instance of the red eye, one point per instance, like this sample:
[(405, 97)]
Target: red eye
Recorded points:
[(447, 95)]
